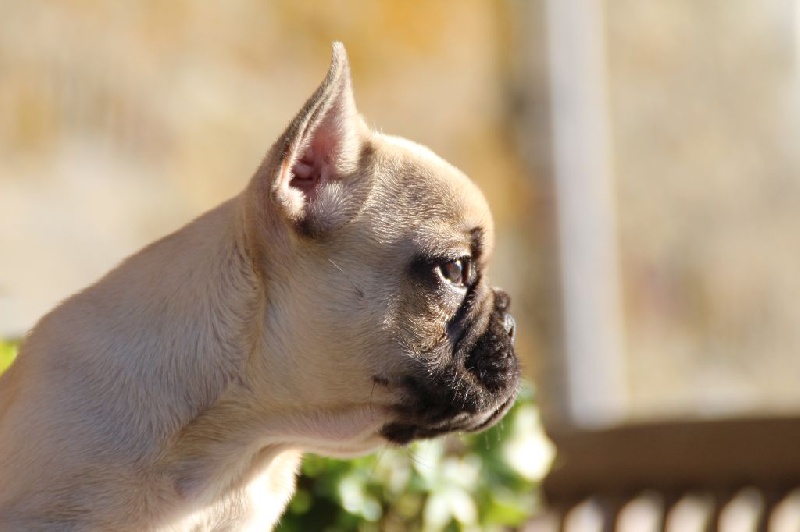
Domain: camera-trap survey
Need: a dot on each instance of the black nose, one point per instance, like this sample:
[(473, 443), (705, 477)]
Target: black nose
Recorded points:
[(501, 300), (510, 325)]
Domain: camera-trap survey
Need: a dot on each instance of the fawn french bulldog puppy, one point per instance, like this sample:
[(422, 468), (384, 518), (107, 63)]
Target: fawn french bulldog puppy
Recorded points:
[(337, 304)]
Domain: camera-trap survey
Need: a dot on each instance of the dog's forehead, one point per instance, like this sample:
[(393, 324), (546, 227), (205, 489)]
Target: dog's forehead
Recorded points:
[(433, 190)]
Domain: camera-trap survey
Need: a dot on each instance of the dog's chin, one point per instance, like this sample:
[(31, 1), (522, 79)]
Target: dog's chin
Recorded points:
[(403, 431)]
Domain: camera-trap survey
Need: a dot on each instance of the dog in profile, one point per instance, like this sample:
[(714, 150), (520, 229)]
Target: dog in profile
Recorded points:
[(339, 303)]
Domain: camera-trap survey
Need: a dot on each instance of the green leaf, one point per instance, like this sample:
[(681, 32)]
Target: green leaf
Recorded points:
[(8, 351)]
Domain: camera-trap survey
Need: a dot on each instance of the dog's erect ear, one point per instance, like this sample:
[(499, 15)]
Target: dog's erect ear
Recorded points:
[(316, 183)]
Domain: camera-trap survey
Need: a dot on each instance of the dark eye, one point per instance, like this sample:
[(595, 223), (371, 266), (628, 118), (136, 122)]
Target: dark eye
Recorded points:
[(456, 272)]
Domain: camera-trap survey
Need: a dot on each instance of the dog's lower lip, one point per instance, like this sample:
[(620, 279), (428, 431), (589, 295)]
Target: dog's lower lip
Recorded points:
[(497, 414), (403, 433)]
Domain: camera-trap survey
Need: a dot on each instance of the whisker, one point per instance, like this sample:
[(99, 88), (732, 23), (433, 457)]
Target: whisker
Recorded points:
[(417, 461), (356, 288), (381, 453)]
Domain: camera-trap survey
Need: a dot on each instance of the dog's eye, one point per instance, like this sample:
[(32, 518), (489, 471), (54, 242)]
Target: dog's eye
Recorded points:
[(456, 272)]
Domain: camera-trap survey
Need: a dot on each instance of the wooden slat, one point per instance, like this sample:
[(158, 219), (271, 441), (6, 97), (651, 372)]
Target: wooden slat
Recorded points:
[(719, 457)]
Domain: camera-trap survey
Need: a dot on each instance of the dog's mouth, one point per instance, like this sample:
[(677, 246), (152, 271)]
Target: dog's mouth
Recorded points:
[(404, 431)]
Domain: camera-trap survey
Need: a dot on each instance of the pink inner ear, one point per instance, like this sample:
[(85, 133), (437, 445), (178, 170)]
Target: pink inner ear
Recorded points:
[(312, 168), (306, 173)]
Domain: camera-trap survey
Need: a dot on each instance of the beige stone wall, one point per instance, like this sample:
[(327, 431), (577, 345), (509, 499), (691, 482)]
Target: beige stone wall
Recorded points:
[(120, 121)]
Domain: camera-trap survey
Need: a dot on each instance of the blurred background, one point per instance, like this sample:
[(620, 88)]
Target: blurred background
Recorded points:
[(639, 156)]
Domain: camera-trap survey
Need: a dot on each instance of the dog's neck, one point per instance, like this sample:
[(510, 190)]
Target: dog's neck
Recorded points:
[(212, 456), (213, 429), (253, 422)]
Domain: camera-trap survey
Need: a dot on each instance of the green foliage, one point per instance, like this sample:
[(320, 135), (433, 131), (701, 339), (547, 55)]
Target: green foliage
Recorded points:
[(475, 482), (8, 351)]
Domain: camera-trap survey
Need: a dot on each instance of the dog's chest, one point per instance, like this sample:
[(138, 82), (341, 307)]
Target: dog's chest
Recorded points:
[(255, 507)]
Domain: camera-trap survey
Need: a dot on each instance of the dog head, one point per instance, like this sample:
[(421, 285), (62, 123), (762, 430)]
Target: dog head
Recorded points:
[(373, 252)]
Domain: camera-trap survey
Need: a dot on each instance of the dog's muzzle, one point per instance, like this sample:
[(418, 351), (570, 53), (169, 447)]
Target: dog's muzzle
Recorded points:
[(470, 392), (491, 359)]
